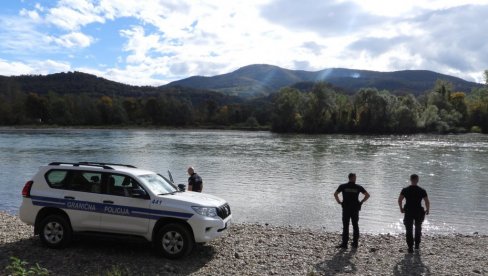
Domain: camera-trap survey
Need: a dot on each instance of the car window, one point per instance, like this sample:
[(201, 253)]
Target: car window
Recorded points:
[(121, 185), (157, 184), (84, 181), (56, 178)]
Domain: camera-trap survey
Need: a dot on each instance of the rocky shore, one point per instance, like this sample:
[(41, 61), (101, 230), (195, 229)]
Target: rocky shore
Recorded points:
[(251, 249)]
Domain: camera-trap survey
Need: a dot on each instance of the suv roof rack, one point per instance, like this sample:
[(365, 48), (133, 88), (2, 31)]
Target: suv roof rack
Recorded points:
[(94, 164), (105, 164), (80, 164)]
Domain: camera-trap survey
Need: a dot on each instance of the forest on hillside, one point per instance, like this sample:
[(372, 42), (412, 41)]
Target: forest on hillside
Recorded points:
[(319, 108)]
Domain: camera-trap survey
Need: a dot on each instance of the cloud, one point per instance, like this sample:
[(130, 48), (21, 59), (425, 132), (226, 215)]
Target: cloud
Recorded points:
[(167, 40), (13, 68), (376, 46), (20, 36), (313, 47), (327, 18), (72, 14), (139, 45), (72, 40), (33, 15), (451, 41)]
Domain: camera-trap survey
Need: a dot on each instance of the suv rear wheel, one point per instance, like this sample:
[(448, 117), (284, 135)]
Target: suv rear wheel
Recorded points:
[(174, 241), (55, 231)]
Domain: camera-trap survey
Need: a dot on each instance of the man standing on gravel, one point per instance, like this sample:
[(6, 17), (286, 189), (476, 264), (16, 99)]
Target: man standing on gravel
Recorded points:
[(413, 210), (195, 182), (350, 208)]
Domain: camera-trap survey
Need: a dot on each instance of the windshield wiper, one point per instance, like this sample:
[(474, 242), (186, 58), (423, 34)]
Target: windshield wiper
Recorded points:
[(171, 193)]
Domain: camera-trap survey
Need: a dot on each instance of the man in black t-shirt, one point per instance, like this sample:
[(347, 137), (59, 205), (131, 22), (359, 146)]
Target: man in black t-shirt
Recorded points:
[(195, 182), (350, 208), (413, 210)]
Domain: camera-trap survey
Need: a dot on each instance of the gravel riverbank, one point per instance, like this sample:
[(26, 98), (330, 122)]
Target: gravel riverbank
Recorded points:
[(250, 249)]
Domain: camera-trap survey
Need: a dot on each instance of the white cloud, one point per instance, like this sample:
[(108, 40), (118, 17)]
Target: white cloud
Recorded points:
[(34, 15), (178, 38), (12, 68), (74, 39), (130, 75), (139, 44), (20, 36), (73, 14)]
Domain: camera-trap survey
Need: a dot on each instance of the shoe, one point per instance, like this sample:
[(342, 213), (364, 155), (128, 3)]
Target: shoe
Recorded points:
[(410, 250), (354, 245), (342, 245)]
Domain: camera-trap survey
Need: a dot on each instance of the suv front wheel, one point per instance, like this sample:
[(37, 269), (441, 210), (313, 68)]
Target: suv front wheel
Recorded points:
[(174, 241), (55, 231)]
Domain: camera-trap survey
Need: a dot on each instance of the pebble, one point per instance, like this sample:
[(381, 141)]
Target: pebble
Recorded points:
[(276, 251)]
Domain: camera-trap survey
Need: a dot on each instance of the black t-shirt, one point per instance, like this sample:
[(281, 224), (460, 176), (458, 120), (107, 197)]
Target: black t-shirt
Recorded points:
[(413, 195), (350, 194), (196, 182)]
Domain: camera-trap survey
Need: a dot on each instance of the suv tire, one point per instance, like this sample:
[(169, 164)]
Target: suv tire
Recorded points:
[(55, 231), (174, 241)]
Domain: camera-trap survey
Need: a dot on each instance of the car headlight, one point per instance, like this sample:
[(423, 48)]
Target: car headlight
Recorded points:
[(205, 211)]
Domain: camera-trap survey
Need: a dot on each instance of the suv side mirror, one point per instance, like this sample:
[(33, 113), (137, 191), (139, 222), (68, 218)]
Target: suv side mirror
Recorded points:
[(139, 193), (182, 187)]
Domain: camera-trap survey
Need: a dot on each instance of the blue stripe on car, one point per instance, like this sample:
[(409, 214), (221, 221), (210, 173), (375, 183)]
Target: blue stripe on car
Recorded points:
[(111, 209)]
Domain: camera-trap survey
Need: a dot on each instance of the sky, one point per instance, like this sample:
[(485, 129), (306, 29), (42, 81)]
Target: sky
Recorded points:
[(150, 42)]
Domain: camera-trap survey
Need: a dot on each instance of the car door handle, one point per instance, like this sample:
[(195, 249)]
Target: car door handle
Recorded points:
[(108, 202), (69, 197)]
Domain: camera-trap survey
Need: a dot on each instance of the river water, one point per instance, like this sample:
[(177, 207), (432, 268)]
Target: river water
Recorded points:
[(279, 179)]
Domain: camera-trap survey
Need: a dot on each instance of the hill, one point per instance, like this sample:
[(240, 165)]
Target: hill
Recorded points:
[(262, 79), (81, 83)]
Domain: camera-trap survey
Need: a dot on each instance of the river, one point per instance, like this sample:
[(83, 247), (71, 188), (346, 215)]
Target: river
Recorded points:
[(279, 179)]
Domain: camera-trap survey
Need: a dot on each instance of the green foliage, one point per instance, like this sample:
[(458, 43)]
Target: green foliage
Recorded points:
[(18, 267), (322, 109), (372, 110), (287, 112), (477, 103), (118, 271), (305, 107)]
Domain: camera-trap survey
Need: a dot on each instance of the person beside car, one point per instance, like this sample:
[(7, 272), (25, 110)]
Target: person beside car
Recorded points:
[(195, 182)]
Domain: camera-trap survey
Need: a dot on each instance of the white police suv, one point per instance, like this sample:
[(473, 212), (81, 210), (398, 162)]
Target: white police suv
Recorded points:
[(64, 199)]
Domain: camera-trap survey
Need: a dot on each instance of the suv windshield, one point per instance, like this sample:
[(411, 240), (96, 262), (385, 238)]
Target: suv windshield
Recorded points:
[(157, 184)]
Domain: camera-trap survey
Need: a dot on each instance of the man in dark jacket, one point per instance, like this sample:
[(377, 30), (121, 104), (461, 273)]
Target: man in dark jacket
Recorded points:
[(195, 182), (350, 208), (413, 210)]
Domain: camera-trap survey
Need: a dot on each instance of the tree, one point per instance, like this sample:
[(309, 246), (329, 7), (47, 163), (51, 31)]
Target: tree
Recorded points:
[(152, 110), (345, 113), (478, 108), (59, 111), (371, 109), (320, 111), (405, 118), (36, 107), (287, 113), (430, 119), (458, 103)]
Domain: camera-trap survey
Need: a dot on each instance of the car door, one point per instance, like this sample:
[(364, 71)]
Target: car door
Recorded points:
[(121, 211), (78, 195)]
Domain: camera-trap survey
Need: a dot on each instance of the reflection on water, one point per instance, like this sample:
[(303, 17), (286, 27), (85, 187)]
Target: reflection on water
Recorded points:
[(280, 179)]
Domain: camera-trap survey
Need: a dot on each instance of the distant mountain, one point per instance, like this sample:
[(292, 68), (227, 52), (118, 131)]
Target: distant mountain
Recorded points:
[(262, 79), (81, 83)]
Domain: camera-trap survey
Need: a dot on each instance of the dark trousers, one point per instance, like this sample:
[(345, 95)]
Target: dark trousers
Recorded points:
[(410, 219), (353, 215)]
